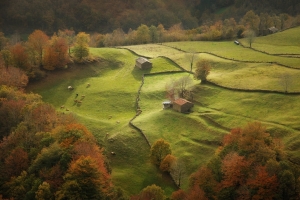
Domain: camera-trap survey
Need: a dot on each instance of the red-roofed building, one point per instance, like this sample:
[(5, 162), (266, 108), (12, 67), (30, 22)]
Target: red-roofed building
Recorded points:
[(182, 105)]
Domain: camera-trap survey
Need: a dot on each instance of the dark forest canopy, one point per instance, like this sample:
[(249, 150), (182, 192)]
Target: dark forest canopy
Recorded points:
[(105, 16)]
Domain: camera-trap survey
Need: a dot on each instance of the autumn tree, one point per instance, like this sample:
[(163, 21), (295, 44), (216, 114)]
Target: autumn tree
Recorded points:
[(10, 115), (37, 41), (161, 33), (203, 181), (229, 28), (178, 195), (81, 47), (69, 35), (43, 192), (263, 184), (56, 53), (143, 34), (6, 57), (203, 68), (167, 162), (20, 57), (16, 186), (13, 76), (152, 192), (16, 162), (3, 41), (116, 38), (251, 20), (159, 150), (83, 181), (249, 164)]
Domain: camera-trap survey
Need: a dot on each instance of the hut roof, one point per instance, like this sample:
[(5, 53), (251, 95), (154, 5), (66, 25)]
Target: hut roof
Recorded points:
[(273, 29), (181, 101), (142, 60)]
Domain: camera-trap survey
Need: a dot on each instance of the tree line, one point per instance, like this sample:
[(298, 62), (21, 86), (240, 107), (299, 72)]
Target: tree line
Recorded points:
[(105, 16), (226, 29), (40, 52), (21, 61)]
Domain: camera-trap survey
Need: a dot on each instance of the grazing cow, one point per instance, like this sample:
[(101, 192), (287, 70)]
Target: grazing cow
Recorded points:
[(70, 88)]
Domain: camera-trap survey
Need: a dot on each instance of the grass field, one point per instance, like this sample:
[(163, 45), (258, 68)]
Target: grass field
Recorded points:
[(285, 43), (245, 74), (107, 107), (109, 104)]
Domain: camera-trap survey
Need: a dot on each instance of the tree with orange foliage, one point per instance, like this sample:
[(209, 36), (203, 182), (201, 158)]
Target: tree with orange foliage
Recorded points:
[(53, 176), (37, 42), (196, 193), (167, 163), (204, 179), (72, 133), (13, 76), (159, 150), (56, 53), (250, 164), (69, 35), (235, 169), (178, 195), (16, 162), (83, 181), (263, 184), (203, 68), (20, 57)]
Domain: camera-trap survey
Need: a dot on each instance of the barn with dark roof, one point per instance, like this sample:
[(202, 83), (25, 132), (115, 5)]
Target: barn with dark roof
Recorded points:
[(143, 63)]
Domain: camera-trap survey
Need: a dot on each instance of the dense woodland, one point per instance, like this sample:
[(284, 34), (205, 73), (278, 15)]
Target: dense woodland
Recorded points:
[(47, 154), (105, 16)]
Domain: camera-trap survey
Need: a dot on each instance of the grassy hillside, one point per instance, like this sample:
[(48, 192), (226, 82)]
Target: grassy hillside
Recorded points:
[(286, 42), (106, 109), (109, 104)]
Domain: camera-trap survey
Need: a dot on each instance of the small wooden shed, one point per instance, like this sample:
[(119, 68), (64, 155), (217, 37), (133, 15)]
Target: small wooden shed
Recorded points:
[(143, 63), (167, 104), (182, 105), (272, 29)]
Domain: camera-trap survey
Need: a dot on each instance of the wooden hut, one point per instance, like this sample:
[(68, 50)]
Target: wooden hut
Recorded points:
[(167, 104), (272, 30), (143, 63), (182, 105)]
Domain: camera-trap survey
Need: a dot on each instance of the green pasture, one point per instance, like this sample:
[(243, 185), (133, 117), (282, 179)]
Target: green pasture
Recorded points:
[(229, 73), (106, 109), (229, 50), (216, 111), (193, 140), (286, 42), (255, 76), (278, 112), (110, 101)]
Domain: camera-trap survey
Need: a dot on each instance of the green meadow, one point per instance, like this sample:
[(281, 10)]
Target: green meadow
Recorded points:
[(284, 43), (245, 86)]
